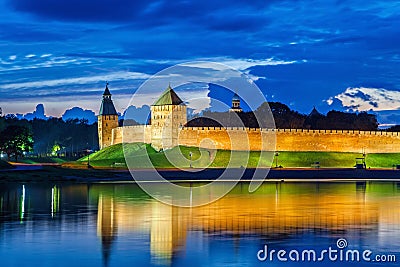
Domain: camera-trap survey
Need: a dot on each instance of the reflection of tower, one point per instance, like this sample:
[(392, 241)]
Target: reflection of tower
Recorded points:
[(106, 225), (168, 232), (235, 104), (361, 189), (168, 115), (107, 119)]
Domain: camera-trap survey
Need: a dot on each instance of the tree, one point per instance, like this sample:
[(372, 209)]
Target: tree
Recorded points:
[(14, 140), (283, 116)]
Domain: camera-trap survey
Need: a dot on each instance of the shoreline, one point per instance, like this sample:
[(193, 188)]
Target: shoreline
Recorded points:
[(58, 174)]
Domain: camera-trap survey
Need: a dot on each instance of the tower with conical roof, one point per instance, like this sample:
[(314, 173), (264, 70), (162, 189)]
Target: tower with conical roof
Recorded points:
[(235, 104), (168, 115), (107, 119)]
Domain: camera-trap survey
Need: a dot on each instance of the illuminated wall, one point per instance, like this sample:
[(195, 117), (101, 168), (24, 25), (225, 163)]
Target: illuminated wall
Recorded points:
[(261, 139)]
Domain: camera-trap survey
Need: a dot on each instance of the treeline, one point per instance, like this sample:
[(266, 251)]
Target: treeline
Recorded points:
[(55, 136), (285, 118), (395, 128)]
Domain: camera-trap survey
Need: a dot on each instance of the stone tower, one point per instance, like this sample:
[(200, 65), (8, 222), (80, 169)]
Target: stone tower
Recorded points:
[(107, 119), (168, 115), (235, 104)]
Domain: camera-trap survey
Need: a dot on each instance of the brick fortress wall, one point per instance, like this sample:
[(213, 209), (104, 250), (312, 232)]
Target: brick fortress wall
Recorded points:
[(286, 139)]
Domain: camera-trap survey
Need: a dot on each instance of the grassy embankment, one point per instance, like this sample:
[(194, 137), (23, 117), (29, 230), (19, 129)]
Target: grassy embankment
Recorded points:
[(114, 157), (38, 160)]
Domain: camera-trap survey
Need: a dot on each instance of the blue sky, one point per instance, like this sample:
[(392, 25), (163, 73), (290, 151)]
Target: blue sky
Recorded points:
[(329, 54)]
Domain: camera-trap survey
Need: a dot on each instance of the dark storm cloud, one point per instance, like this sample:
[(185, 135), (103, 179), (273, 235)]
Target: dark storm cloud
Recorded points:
[(120, 10), (27, 33), (239, 22), (81, 10)]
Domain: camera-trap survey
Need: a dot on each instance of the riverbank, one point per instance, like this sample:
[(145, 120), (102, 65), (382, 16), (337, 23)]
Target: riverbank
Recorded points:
[(58, 174)]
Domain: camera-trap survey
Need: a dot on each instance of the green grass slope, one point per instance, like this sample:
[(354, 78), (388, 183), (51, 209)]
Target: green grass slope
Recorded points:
[(140, 153), (37, 160), (383, 160)]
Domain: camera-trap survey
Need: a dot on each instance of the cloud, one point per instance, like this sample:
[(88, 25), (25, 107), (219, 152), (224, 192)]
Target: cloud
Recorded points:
[(153, 11), (240, 63), (365, 99), (79, 113), (37, 113), (115, 76), (42, 62), (329, 101), (244, 64), (139, 114), (88, 10), (253, 77)]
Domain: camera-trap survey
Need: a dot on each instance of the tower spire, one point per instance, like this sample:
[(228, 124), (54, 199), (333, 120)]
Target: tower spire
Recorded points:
[(107, 91), (107, 119)]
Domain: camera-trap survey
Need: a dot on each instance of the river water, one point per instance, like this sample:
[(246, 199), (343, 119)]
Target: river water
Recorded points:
[(119, 225)]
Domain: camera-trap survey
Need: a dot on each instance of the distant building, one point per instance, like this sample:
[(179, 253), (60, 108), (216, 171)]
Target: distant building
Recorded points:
[(235, 104), (312, 119), (314, 112)]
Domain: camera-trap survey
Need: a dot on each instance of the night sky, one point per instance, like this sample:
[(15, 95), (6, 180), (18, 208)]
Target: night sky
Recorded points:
[(342, 55)]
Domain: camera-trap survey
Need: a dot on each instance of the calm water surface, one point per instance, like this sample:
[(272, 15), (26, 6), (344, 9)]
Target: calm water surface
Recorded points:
[(119, 225)]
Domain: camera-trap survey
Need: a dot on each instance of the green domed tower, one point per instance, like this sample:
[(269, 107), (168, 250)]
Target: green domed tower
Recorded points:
[(168, 115)]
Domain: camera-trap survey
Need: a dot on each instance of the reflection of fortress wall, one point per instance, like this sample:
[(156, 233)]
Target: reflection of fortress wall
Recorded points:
[(286, 139), (168, 231), (283, 216), (279, 209)]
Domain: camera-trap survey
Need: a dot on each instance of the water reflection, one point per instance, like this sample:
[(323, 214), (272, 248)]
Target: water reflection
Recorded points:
[(107, 224), (126, 220), (55, 200)]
